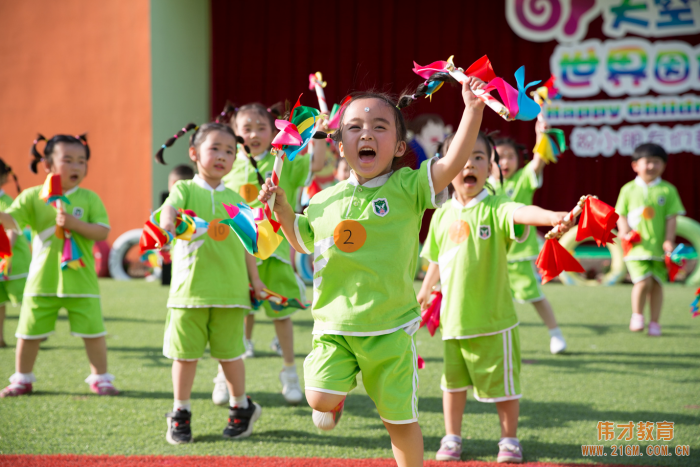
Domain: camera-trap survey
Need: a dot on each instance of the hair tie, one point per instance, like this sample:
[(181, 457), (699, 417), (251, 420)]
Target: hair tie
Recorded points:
[(163, 146)]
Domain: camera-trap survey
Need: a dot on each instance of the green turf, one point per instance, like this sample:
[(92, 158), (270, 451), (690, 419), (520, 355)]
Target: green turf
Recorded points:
[(609, 374)]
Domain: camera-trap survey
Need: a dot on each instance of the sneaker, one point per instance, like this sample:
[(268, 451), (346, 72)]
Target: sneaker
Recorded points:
[(290, 386), (637, 322), (557, 344), (220, 394), (103, 388), (275, 346), (654, 329), (179, 430), (326, 421), (509, 451), (240, 421), (16, 389), (450, 449), (249, 350)]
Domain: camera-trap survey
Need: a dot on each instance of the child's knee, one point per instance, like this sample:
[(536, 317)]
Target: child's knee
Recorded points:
[(322, 401)]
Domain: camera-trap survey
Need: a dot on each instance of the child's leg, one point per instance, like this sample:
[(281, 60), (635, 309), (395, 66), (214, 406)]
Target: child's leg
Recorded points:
[(508, 413), (453, 404), (323, 401), (656, 298), (235, 377), (285, 334), (249, 323), (640, 290), (407, 443), (183, 378), (96, 349), (544, 309), (27, 350)]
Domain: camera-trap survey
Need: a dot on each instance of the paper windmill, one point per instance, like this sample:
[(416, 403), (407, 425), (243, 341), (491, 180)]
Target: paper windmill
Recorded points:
[(254, 229), (154, 237), (334, 120), (5, 253), (72, 257), (52, 190), (695, 306), (546, 92), (296, 133), (550, 145), (676, 260), (277, 302)]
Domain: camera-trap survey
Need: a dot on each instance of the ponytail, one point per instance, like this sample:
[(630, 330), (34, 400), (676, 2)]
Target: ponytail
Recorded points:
[(35, 154), (426, 88), (227, 114), (172, 139), (7, 170), (51, 143)]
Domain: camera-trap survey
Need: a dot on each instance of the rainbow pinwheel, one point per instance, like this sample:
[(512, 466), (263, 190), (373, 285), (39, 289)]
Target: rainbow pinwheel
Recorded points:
[(277, 302), (154, 237), (334, 120), (5, 254), (550, 145), (695, 306), (72, 257), (546, 92), (296, 133), (256, 232), (52, 190), (676, 260), (316, 83)]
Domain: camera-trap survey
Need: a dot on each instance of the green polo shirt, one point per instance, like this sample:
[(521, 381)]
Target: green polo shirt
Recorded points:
[(647, 207), (470, 245), (364, 239), (21, 256)]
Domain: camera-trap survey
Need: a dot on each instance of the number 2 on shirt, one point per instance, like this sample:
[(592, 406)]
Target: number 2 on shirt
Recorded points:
[(349, 236)]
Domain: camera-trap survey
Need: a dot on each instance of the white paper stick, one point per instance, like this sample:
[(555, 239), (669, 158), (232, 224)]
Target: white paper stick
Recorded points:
[(487, 98), (276, 174), (321, 97)]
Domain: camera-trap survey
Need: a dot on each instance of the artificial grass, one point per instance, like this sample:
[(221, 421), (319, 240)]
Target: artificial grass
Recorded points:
[(609, 374)]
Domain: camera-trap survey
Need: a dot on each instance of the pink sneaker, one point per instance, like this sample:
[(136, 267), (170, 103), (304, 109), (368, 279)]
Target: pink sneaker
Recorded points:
[(654, 329), (103, 388), (450, 448), (637, 322), (509, 450), (328, 420), (16, 389)]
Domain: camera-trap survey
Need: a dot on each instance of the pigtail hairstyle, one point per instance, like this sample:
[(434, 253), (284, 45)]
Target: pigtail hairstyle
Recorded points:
[(252, 160), (50, 144), (227, 114), (7, 170), (172, 139), (35, 154), (425, 88), (520, 149)]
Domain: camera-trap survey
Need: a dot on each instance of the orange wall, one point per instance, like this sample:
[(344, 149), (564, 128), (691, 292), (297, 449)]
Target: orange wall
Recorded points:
[(74, 66)]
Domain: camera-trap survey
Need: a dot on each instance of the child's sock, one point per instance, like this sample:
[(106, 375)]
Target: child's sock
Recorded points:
[(291, 369), (238, 402), (513, 441), (23, 378), (453, 438), (182, 405), (556, 332)]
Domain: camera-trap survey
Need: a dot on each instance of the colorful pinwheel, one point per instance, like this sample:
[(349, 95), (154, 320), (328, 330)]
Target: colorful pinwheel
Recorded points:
[(256, 232), (52, 193), (154, 237), (695, 306)]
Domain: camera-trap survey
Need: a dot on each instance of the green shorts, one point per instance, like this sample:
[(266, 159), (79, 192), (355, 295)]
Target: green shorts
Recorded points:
[(37, 317), (388, 364), (187, 331), (280, 278), (489, 364), (524, 283), (640, 270), (12, 291)]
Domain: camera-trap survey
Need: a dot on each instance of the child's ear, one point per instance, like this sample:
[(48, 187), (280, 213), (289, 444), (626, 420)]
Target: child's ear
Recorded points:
[(340, 149), (47, 166), (400, 149), (193, 154)]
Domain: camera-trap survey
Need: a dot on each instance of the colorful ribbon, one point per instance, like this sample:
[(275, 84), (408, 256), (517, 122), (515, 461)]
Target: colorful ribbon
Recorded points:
[(254, 229)]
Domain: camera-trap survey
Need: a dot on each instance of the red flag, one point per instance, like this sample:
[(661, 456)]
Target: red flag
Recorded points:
[(629, 240), (152, 237), (481, 69), (431, 316), (597, 221), (5, 247), (313, 189), (554, 259), (421, 363)]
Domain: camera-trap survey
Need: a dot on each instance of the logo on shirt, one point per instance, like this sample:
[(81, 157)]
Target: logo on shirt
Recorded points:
[(484, 232), (661, 200), (509, 192), (380, 207), (78, 212)]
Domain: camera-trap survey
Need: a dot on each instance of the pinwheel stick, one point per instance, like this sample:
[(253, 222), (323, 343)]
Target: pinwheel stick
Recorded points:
[(486, 98), (323, 107), (556, 232), (276, 171)]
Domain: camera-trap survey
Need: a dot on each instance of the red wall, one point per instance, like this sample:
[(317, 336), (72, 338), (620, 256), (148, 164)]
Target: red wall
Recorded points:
[(264, 51)]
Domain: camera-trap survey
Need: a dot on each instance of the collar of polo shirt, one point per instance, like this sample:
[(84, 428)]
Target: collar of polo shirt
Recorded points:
[(474, 201), (374, 183)]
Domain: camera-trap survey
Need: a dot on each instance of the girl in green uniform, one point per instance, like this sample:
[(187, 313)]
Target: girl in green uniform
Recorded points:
[(12, 285), (467, 248), (520, 185), (50, 285), (256, 125), (362, 232)]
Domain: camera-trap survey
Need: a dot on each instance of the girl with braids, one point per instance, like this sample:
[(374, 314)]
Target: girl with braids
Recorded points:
[(201, 308), (467, 248), (255, 124), (520, 184), (12, 285), (363, 233), (50, 287)]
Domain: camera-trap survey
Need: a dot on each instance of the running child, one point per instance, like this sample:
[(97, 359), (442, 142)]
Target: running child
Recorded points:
[(50, 286), (649, 206), (520, 185), (467, 247), (363, 233), (12, 281), (256, 125), (202, 306)]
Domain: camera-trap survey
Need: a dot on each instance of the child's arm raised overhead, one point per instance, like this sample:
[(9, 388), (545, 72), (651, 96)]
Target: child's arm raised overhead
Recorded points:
[(447, 168), (534, 215), (90, 231), (283, 210)]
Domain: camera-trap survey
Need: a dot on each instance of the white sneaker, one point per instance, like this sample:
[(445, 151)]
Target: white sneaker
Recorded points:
[(557, 344), (220, 394), (637, 322), (290, 386), (249, 350), (275, 346)]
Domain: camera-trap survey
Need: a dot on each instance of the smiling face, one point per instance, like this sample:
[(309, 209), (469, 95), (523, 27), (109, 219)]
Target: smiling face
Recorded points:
[(508, 160), (69, 160), (255, 130), (470, 181), (649, 168), (369, 138), (215, 155)]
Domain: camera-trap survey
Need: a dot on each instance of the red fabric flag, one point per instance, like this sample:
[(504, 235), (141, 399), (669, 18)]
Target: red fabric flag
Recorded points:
[(554, 259), (421, 363), (5, 247), (629, 240), (481, 69), (152, 237), (431, 316), (597, 221), (313, 189), (672, 267)]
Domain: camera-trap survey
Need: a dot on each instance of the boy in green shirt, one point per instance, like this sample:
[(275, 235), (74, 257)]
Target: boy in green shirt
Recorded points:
[(209, 295), (649, 206)]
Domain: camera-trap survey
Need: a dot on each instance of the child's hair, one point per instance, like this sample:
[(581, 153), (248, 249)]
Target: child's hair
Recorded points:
[(7, 170), (487, 139), (520, 149), (649, 150), (51, 144), (196, 138), (417, 124), (185, 172)]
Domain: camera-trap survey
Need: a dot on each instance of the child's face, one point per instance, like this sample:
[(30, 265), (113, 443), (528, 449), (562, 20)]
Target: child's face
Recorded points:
[(215, 155), (470, 181), (432, 134), (649, 168), (342, 172), (255, 130), (507, 160), (369, 138), (68, 160)]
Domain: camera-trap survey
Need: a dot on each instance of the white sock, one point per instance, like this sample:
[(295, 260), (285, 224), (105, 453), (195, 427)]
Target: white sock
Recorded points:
[(183, 405), (556, 332), (238, 402), (290, 368), (23, 378), (513, 441), (99, 378), (453, 438)]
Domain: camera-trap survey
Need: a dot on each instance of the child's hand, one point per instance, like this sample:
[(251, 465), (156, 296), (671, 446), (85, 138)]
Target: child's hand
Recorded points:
[(540, 126), (557, 218), (64, 220), (258, 287), (669, 246), (266, 192), (423, 299), (169, 227), (470, 100)]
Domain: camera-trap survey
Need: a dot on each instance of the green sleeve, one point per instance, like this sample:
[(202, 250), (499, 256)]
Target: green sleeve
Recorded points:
[(304, 233), (97, 213), (622, 202), (674, 206), (178, 196), (531, 181), (419, 185), (22, 209), (504, 215), (431, 249)]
